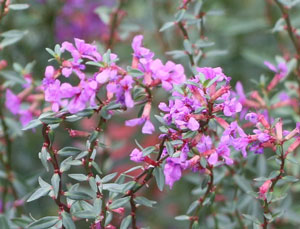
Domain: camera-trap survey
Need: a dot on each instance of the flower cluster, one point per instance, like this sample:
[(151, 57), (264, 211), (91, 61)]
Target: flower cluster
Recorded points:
[(13, 104), (74, 17), (77, 98), (117, 81), (155, 72), (189, 112)]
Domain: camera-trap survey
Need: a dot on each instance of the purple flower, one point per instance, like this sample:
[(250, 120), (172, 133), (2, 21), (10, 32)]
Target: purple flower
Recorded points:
[(86, 95), (169, 74), (252, 117), (224, 152), (231, 107), (193, 124), (81, 50), (74, 17), (281, 68), (106, 75), (213, 158), (262, 136), (180, 111), (122, 90), (283, 96), (148, 127), (205, 144), (236, 137), (211, 73), (173, 170), (12, 102), (25, 117), (139, 50), (137, 155)]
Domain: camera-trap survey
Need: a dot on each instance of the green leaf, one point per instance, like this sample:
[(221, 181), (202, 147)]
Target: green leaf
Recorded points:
[(166, 26), (50, 120), (67, 221), (85, 214), (187, 46), (39, 193), (78, 177), (97, 206), (44, 184), (192, 207), (160, 119), (251, 218), (148, 150), (32, 124), (182, 217), (242, 183), (273, 174), (92, 63), (195, 225), (4, 222), (159, 177), (69, 151), (88, 112), (170, 148), (290, 179), (11, 37), (93, 184), (208, 83), (119, 202), (179, 15), (65, 166), (144, 201), (55, 184), (189, 134), (43, 155), (126, 222), (134, 72), (133, 168), (109, 177), (96, 167), (18, 6), (21, 222), (51, 52), (77, 195), (45, 222), (112, 187)]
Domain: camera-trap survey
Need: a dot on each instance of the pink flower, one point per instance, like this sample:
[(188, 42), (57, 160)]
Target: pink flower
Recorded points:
[(148, 127), (137, 155), (264, 189), (139, 50), (281, 68), (172, 171), (231, 107), (211, 73), (169, 74), (12, 102), (252, 117)]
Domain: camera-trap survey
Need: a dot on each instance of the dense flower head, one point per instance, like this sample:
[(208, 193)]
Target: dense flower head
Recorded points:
[(154, 70), (77, 98), (191, 109)]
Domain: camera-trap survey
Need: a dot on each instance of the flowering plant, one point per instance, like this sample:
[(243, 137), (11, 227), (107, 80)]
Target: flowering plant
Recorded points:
[(230, 154)]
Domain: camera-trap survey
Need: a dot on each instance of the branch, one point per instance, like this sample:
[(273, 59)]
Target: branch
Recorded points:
[(209, 190)]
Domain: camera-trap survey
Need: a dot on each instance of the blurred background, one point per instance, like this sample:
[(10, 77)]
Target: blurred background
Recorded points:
[(238, 36)]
